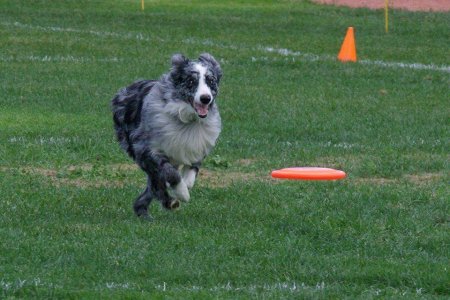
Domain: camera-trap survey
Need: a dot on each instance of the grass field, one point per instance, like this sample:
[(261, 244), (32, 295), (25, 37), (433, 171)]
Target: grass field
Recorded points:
[(67, 229)]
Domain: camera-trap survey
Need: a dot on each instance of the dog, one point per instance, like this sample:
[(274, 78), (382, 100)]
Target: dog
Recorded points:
[(168, 126)]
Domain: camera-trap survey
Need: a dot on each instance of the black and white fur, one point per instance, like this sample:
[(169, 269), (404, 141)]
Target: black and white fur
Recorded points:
[(168, 126)]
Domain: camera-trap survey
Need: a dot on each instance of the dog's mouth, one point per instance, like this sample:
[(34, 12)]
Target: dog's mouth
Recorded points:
[(201, 109)]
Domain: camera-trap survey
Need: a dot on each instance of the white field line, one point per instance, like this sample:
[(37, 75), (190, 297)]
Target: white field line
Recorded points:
[(58, 58), (287, 54), (378, 63), (400, 65), (58, 140), (103, 34), (290, 287)]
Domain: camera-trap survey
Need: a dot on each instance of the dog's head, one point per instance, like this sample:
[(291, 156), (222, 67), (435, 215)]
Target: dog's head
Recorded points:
[(196, 82)]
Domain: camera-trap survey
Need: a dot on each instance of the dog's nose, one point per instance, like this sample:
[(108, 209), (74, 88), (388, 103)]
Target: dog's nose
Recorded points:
[(205, 99)]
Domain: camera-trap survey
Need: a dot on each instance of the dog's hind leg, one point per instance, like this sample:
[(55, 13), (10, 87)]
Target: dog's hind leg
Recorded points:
[(143, 201)]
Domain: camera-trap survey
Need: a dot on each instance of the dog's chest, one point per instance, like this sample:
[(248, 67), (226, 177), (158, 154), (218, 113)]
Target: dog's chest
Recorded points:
[(187, 143)]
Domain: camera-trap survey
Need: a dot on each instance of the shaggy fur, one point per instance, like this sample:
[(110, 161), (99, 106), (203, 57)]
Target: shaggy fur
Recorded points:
[(168, 126)]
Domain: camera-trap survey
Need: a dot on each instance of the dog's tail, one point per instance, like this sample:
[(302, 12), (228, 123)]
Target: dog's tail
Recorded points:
[(126, 107)]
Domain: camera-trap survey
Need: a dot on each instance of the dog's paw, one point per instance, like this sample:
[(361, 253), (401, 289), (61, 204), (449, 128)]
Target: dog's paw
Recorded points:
[(171, 204), (189, 178), (174, 204), (143, 214), (179, 191)]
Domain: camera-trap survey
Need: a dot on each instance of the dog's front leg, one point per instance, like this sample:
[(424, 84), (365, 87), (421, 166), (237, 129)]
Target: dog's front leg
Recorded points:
[(189, 174), (176, 187), (166, 180)]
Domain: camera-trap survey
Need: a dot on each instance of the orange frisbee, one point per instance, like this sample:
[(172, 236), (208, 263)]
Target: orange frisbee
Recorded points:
[(308, 173)]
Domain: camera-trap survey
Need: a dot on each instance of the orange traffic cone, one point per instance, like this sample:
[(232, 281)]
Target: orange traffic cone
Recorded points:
[(348, 48)]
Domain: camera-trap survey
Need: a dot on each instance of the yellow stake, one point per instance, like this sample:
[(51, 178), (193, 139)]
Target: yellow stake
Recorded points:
[(142, 4), (386, 15)]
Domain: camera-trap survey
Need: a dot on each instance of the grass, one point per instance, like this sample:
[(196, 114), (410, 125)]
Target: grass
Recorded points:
[(67, 228)]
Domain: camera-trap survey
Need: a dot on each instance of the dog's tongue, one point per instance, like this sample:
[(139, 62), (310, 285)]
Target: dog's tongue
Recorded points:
[(202, 110)]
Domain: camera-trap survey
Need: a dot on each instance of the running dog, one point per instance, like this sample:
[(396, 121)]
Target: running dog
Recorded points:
[(168, 126)]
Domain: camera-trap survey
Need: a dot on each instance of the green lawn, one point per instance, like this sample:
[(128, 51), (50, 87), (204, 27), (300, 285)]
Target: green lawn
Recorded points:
[(67, 228)]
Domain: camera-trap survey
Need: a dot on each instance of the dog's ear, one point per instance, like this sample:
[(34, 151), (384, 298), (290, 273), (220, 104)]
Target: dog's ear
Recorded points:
[(209, 59), (178, 60), (178, 63)]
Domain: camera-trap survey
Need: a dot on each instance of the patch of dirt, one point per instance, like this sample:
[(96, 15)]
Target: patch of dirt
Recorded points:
[(424, 177), (71, 176), (111, 167), (416, 179), (84, 176), (411, 5), (224, 178), (57, 180), (376, 180)]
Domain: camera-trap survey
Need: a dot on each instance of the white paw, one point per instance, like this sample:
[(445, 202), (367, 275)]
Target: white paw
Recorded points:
[(180, 191), (189, 178)]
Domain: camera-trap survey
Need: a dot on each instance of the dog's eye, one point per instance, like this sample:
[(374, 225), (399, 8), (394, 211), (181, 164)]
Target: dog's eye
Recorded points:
[(191, 82), (210, 80)]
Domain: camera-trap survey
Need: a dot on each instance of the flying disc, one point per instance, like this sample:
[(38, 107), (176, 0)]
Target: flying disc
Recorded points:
[(308, 173)]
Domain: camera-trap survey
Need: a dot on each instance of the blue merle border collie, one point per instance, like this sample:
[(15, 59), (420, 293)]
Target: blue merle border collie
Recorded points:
[(168, 126)]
